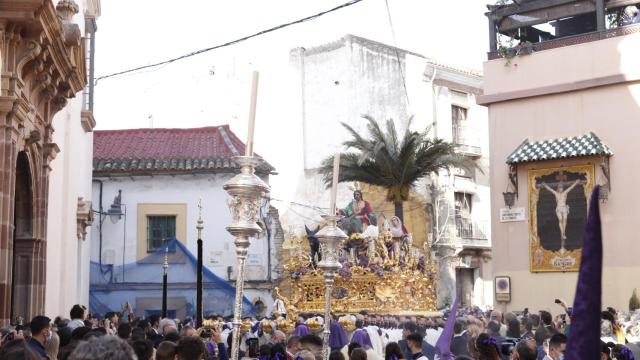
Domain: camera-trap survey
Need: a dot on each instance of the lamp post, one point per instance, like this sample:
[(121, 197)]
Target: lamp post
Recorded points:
[(165, 267), (199, 227), (331, 238), (115, 213)]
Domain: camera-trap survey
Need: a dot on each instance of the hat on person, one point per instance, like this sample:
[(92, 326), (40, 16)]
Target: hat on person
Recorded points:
[(583, 342), (443, 345), (338, 337)]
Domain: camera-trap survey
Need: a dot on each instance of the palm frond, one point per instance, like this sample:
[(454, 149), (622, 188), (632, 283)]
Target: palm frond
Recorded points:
[(384, 158)]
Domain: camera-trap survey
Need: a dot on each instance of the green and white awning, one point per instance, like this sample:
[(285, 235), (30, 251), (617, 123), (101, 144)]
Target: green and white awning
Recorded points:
[(561, 148)]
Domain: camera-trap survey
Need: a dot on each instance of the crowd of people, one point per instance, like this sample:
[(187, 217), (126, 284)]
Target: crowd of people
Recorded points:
[(475, 335)]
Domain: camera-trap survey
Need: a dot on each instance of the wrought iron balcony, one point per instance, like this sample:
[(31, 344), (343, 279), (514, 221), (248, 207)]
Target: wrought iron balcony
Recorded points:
[(467, 139), (471, 233)]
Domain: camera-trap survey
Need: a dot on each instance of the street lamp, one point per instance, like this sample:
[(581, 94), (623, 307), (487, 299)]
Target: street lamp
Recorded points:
[(116, 211)]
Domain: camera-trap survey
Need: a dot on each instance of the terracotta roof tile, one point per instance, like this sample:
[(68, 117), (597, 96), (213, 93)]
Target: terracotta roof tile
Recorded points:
[(167, 150)]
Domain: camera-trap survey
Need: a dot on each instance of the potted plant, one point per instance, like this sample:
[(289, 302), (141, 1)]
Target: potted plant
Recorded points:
[(508, 51)]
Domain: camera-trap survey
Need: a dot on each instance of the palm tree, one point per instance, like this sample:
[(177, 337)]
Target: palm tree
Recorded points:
[(394, 163)]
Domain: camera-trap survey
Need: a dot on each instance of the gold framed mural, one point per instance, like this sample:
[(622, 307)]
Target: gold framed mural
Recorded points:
[(558, 205)]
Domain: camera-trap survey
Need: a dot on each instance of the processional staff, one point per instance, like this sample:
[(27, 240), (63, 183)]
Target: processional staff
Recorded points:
[(331, 238), (246, 191)]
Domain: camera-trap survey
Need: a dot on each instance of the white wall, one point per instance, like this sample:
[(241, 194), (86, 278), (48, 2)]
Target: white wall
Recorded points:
[(350, 78), (186, 189), (67, 269)]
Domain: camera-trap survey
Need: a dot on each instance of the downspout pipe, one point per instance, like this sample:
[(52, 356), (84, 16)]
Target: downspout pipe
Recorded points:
[(100, 209)]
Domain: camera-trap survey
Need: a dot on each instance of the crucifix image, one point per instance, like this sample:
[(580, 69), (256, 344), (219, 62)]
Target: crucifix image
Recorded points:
[(562, 209)]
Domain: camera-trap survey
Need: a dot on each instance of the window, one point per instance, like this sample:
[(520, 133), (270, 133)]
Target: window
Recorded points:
[(463, 205), (458, 115), (149, 216), (159, 229), (458, 119)]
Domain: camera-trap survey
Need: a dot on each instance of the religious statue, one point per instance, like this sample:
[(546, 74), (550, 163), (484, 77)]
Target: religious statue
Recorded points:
[(283, 307), (279, 305), (562, 209), (314, 245), (379, 251), (401, 238), (357, 215)]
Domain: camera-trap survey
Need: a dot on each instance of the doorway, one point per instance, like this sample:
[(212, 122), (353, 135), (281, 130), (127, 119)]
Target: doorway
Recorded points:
[(22, 259), (464, 286)]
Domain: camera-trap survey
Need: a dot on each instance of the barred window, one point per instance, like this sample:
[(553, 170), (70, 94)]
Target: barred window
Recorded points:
[(160, 229)]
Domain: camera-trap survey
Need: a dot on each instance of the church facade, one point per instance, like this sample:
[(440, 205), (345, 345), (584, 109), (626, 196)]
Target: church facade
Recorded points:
[(45, 204)]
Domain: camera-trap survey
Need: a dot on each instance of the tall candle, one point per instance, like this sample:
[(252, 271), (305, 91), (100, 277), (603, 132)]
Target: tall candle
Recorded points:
[(248, 151), (334, 184)]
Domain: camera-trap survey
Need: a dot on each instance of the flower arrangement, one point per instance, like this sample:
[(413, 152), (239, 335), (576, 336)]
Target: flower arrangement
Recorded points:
[(377, 269), (508, 51), (345, 271)]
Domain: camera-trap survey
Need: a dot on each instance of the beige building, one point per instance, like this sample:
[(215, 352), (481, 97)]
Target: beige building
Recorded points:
[(562, 119)]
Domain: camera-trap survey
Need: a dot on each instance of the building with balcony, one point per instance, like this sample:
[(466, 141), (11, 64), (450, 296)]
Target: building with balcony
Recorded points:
[(563, 95), (461, 238)]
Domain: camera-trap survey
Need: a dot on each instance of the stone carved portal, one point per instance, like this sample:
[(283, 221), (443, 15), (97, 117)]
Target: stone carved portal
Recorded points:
[(41, 66), (21, 285)]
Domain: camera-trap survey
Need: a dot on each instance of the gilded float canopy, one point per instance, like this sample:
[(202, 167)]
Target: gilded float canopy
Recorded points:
[(560, 148)]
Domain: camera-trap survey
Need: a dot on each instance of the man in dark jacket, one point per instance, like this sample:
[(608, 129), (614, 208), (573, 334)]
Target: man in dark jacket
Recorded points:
[(460, 341), (40, 332), (427, 350)]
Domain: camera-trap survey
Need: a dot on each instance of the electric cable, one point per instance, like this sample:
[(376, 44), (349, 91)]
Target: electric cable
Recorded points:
[(229, 43)]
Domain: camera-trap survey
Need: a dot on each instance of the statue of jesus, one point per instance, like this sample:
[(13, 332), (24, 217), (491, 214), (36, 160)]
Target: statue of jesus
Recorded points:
[(562, 209), (358, 215)]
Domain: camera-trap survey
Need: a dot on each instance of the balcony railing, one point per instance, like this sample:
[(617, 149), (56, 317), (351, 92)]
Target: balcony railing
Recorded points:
[(568, 22), (467, 139), (468, 229)]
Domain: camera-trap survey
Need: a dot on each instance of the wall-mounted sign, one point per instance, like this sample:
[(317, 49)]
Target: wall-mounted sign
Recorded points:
[(512, 214), (503, 288), (254, 259), (215, 258)]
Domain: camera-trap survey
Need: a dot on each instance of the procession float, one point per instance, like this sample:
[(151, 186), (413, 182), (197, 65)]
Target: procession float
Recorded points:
[(382, 272)]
